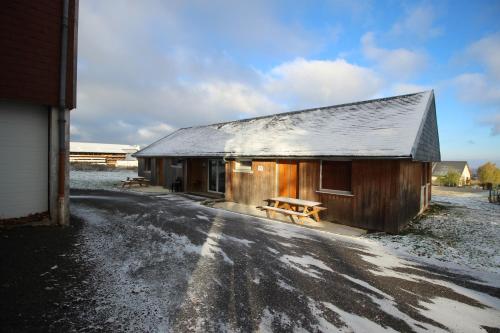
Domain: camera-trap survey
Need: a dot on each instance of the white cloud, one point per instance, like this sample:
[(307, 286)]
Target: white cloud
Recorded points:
[(398, 63), (153, 132), (419, 22), (146, 69), (476, 88), (494, 122), (487, 52), (310, 83), (408, 88)]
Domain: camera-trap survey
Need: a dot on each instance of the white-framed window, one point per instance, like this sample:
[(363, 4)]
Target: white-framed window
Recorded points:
[(177, 163), (243, 165), (335, 177)]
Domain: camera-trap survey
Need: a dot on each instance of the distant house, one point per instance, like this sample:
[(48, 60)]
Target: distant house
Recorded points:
[(368, 162), (103, 154), (38, 43), (440, 169)]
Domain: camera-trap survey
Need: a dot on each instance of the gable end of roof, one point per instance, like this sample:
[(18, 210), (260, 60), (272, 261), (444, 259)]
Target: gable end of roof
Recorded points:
[(426, 147)]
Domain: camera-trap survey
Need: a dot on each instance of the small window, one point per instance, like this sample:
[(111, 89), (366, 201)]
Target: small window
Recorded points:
[(335, 176), (243, 166), (147, 164), (177, 163)]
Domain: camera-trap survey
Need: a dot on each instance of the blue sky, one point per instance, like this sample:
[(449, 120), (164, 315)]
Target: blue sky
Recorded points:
[(149, 67)]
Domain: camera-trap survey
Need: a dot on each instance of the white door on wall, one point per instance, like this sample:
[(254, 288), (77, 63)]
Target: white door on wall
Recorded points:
[(24, 155)]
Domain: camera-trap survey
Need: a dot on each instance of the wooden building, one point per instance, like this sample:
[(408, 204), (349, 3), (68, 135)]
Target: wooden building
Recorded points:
[(103, 154), (368, 162)]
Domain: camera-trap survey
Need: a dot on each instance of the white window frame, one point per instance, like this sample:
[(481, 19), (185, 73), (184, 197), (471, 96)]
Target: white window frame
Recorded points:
[(178, 165), (330, 191), (245, 169)]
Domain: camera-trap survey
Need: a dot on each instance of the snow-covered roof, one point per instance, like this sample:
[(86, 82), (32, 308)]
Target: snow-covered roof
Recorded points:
[(93, 147), (386, 127), (442, 168)]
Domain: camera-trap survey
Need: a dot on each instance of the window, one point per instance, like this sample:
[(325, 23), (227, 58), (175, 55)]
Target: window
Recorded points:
[(335, 176), (147, 164), (177, 163), (243, 166)]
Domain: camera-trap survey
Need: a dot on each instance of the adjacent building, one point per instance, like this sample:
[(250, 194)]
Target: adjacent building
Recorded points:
[(368, 162), (115, 155), (38, 43), (441, 169)]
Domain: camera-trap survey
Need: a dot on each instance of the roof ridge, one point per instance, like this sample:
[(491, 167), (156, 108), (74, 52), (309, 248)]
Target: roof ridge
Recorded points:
[(308, 110)]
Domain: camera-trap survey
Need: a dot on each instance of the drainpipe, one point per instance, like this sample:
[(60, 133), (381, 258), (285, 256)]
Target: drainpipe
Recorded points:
[(62, 117)]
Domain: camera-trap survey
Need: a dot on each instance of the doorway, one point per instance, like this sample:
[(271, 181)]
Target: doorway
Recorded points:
[(160, 176), (216, 176), (288, 178)]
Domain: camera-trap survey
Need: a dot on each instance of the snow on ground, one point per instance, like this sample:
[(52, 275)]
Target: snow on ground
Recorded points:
[(98, 180), (461, 230), (163, 271)]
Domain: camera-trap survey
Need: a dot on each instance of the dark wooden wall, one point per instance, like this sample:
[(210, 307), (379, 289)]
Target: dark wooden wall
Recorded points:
[(30, 57), (385, 193), (251, 188)]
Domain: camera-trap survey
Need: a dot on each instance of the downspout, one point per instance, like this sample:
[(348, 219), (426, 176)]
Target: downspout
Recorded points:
[(62, 117)]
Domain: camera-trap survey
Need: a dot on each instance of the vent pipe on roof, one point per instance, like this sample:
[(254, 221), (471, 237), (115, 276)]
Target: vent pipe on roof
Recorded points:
[(62, 205)]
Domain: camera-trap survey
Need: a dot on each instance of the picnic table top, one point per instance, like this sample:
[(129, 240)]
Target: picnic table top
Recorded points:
[(295, 201)]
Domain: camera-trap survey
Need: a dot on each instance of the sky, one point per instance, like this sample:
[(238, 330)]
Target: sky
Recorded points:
[(147, 68)]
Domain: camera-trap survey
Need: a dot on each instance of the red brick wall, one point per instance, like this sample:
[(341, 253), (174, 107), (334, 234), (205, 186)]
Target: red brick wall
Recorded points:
[(30, 39)]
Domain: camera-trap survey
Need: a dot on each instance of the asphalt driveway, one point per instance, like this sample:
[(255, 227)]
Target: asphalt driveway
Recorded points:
[(167, 263)]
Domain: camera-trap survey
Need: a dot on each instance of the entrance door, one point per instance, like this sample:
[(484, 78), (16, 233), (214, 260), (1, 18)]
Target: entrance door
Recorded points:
[(216, 176), (288, 180), (160, 177)]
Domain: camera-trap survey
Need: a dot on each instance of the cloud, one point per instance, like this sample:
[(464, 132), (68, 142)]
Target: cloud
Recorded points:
[(492, 121), (310, 83), (398, 63), (477, 88), (408, 88), (419, 22), (487, 52), (153, 132), (146, 69)]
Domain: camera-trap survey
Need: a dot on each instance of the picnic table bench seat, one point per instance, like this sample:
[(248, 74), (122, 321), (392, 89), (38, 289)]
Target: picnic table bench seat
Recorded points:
[(135, 181), (285, 211), (290, 207)]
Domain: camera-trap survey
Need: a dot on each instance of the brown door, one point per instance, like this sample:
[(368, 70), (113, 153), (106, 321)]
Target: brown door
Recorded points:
[(160, 177), (288, 179)]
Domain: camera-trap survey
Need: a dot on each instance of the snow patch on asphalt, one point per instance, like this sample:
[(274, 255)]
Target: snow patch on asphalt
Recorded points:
[(304, 263), (211, 247), (460, 317), (355, 323), (202, 217)]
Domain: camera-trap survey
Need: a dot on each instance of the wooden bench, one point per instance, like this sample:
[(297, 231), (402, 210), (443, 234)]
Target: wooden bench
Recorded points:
[(290, 207), (288, 212), (131, 182)]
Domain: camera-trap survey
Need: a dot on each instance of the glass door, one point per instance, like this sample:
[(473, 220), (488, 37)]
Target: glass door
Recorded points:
[(216, 176)]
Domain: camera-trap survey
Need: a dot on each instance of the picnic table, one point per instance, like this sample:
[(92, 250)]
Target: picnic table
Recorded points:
[(293, 207), (135, 181)]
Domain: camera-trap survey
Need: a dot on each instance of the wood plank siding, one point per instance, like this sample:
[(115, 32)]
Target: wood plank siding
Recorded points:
[(385, 193), (251, 187)]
